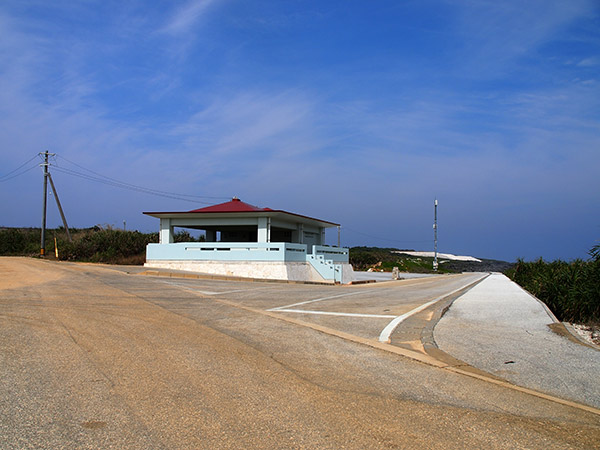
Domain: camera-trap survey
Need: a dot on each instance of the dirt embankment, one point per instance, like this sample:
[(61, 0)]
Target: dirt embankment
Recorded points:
[(38, 272)]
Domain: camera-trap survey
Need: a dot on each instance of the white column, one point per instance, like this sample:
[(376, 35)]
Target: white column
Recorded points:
[(263, 231), (268, 229), (166, 232)]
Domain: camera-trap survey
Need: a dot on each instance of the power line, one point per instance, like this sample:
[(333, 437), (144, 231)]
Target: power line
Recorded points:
[(122, 185), (18, 174), (8, 176), (99, 178), (133, 186), (103, 179)]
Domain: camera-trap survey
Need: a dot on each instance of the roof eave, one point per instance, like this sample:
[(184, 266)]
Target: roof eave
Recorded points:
[(271, 213)]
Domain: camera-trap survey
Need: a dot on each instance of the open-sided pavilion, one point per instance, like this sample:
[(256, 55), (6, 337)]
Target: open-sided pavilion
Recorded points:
[(247, 241)]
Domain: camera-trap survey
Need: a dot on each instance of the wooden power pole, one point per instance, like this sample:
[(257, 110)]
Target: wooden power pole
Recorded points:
[(47, 177), (43, 238), (60, 210)]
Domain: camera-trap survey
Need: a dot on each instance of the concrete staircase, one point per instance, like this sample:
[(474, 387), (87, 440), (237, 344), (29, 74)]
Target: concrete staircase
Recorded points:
[(326, 267)]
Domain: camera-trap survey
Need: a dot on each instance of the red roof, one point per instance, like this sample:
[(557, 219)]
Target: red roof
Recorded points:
[(234, 205)]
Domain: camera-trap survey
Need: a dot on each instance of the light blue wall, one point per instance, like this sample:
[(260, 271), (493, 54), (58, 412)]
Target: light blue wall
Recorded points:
[(227, 251), (242, 251), (338, 255), (326, 260)]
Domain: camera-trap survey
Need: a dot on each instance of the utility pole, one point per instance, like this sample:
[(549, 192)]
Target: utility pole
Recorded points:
[(43, 238), (47, 177), (435, 258), (62, 214)]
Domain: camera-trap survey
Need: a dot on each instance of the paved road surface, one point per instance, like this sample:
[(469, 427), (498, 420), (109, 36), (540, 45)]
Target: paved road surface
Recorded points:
[(93, 357), (500, 328)]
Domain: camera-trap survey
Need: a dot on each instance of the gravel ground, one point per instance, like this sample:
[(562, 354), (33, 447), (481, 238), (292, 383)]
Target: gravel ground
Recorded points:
[(589, 333)]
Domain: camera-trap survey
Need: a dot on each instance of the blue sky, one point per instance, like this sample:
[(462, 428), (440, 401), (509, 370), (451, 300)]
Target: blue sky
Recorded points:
[(357, 112)]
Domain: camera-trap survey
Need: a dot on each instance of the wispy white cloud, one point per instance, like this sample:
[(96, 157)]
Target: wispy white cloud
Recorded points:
[(186, 17), (342, 150), (592, 61), (496, 33), (250, 122)]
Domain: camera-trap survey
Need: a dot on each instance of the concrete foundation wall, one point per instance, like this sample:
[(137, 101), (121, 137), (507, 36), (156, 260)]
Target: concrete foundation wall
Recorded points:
[(347, 273), (293, 271)]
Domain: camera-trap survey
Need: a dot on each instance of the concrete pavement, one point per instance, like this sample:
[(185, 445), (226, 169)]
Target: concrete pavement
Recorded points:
[(496, 327), (501, 329), (387, 276), (93, 357)]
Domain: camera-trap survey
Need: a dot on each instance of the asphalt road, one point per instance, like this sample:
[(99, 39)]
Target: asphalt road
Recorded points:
[(93, 357)]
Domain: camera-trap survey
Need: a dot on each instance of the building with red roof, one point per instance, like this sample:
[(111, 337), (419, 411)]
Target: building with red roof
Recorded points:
[(250, 241)]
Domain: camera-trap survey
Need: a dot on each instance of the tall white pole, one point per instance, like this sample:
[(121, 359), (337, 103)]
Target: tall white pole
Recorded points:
[(435, 258)]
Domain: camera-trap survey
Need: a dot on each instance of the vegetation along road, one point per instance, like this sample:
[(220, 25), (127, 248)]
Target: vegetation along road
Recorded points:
[(95, 357)]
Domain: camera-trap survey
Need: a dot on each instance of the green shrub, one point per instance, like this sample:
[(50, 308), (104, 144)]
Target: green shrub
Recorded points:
[(363, 258), (570, 289), (595, 252), (20, 241), (112, 246), (94, 244), (105, 245)]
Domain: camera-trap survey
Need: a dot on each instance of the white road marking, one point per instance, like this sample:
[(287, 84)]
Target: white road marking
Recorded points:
[(224, 292), (319, 299), (191, 288), (329, 313), (389, 329)]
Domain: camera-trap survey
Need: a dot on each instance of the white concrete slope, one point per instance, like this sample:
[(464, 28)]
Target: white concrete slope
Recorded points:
[(500, 328)]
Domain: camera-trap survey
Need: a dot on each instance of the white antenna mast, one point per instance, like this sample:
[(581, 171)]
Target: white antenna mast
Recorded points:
[(435, 258)]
